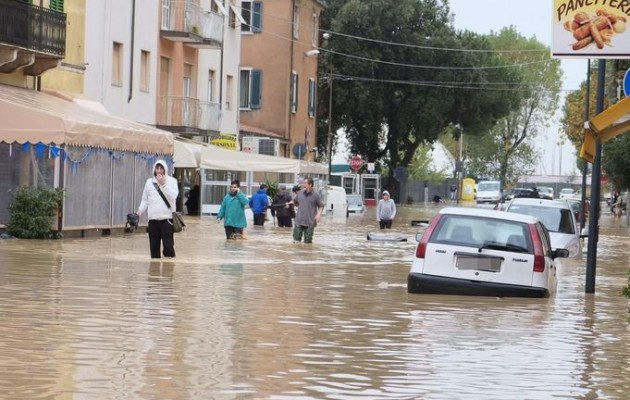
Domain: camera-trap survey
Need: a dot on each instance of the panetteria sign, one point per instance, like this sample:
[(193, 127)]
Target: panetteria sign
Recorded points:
[(591, 28)]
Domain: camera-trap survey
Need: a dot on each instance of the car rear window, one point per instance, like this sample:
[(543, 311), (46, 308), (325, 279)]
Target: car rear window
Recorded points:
[(555, 219), (355, 200), (477, 231)]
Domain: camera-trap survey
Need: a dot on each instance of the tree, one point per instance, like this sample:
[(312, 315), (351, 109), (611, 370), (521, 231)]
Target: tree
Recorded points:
[(390, 108), (421, 168), (507, 151)]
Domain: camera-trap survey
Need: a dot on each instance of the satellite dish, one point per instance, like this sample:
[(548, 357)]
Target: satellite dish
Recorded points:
[(299, 150)]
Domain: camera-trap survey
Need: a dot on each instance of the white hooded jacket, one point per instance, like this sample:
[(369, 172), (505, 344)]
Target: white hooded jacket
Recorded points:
[(152, 202)]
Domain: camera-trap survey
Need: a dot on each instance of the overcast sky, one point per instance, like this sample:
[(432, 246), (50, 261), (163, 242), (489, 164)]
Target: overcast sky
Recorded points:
[(530, 18)]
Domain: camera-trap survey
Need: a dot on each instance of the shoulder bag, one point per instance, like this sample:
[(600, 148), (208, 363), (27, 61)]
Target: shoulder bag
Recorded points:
[(178, 220)]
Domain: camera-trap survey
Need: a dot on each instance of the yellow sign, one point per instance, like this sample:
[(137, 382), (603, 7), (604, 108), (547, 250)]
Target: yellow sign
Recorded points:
[(587, 151), (591, 28), (227, 141)]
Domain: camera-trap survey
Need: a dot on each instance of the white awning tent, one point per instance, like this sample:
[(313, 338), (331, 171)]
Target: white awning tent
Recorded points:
[(214, 157), (190, 154), (29, 116), (187, 154)]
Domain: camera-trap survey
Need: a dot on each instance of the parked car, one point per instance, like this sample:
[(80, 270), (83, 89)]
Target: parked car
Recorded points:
[(567, 193), (516, 193), (488, 192), (545, 192), (355, 204), (557, 216), (472, 251), (578, 207)]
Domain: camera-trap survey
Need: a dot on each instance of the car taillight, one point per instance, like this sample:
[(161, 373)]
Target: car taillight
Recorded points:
[(422, 246), (539, 257)]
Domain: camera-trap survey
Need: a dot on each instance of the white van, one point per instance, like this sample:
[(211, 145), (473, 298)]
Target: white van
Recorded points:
[(488, 191), (336, 201)]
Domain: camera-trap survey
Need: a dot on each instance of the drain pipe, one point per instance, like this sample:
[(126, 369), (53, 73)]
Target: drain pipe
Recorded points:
[(133, 30)]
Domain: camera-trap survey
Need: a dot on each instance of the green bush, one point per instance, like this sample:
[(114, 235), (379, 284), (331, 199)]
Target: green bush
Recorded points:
[(32, 212)]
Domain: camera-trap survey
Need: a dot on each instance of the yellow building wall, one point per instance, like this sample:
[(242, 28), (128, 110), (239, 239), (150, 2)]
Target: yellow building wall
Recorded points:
[(68, 77)]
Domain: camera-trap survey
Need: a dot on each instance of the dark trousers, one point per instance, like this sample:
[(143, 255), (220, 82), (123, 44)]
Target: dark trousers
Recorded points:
[(259, 219), (231, 232), (161, 233), (285, 222), (385, 223)]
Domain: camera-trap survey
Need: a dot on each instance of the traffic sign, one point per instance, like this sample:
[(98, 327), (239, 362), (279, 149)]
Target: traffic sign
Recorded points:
[(356, 163), (626, 83)]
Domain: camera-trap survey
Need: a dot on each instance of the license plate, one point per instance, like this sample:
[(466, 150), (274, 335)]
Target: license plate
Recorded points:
[(490, 264)]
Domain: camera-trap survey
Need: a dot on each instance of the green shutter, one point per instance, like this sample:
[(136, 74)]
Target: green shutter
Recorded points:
[(256, 16), (56, 5), (256, 94)]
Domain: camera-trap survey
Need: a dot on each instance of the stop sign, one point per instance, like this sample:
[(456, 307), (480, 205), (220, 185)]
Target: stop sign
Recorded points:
[(356, 163)]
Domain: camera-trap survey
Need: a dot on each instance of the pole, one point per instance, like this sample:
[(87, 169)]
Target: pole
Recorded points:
[(330, 99), (584, 163), (593, 223), (461, 165)]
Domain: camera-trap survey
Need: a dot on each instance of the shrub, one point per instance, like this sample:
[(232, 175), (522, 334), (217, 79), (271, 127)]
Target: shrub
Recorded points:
[(32, 212)]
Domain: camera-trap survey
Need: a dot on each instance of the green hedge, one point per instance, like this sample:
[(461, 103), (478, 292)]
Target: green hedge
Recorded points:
[(32, 213)]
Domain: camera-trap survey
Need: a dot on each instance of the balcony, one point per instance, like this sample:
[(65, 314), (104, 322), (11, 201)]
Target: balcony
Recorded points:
[(183, 21), (185, 114), (32, 38)]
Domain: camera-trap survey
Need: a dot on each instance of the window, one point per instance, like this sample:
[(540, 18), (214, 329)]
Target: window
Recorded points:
[(165, 76), (315, 31), (296, 22), (145, 71), (251, 11), (229, 87), (294, 91), (56, 5), (166, 15), (311, 97), (211, 75), (117, 64), (250, 89)]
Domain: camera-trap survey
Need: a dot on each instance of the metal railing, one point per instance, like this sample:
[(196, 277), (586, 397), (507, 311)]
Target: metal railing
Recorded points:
[(188, 112), (185, 16), (32, 28)]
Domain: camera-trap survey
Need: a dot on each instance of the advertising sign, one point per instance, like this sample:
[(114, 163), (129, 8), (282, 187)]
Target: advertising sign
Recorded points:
[(591, 29)]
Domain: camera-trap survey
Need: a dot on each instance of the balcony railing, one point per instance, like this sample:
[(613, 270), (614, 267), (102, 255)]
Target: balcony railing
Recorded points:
[(32, 28), (186, 112), (184, 21)]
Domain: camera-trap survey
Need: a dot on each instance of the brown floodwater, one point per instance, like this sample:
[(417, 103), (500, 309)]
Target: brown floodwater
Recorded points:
[(264, 318)]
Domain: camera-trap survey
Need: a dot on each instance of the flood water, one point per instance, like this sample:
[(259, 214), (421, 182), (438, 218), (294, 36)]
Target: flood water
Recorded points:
[(264, 318)]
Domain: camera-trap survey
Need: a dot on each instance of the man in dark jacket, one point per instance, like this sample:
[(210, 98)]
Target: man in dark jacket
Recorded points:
[(259, 204), (284, 211)]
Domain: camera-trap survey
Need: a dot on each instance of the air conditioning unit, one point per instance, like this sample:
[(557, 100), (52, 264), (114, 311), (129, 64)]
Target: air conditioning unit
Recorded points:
[(261, 145)]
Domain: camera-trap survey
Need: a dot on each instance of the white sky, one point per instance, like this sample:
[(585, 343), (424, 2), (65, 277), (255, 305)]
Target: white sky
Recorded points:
[(530, 18)]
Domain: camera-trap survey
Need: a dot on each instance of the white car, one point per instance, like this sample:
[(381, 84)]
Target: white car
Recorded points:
[(355, 204), (557, 216), (567, 193), (472, 251)]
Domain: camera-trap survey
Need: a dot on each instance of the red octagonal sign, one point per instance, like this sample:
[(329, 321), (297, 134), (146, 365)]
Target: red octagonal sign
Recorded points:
[(356, 163)]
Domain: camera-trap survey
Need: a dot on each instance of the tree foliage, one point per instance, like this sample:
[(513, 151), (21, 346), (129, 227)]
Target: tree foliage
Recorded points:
[(388, 109), (615, 161), (507, 151)]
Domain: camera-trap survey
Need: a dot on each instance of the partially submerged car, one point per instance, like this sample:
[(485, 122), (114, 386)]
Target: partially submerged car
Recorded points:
[(355, 204), (557, 216), (472, 251)]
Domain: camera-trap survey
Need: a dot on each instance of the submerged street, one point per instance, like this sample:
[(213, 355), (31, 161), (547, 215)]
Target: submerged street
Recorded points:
[(265, 318)]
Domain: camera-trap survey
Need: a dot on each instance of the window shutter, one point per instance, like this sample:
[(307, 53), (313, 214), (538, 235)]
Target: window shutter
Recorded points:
[(56, 5), (256, 94), (256, 16)]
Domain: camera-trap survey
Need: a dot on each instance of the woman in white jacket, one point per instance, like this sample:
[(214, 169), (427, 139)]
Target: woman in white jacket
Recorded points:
[(386, 211), (159, 214)]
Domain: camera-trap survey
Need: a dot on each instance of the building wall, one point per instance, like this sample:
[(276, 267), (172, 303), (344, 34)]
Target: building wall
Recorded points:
[(68, 77), (288, 55), (110, 21)]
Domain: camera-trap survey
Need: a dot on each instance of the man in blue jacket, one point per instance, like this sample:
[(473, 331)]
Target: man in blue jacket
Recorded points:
[(259, 204)]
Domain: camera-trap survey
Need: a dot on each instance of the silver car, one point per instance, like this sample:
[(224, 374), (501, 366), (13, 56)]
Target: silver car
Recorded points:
[(558, 218)]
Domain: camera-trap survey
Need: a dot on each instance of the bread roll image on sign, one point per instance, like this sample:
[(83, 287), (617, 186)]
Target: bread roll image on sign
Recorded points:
[(590, 29)]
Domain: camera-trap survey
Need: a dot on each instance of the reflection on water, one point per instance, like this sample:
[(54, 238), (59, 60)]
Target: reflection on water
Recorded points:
[(267, 318)]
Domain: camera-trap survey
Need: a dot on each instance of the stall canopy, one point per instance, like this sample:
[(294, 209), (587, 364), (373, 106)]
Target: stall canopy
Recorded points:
[(187, 154), (213, 157), (31, 116)]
